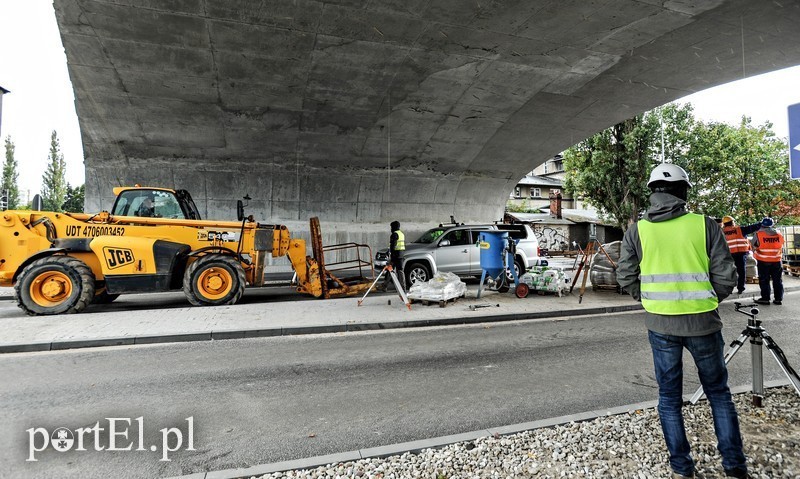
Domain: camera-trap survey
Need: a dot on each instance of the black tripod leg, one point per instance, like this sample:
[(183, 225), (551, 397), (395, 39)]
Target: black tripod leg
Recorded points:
[(780, 358), (735, 346)]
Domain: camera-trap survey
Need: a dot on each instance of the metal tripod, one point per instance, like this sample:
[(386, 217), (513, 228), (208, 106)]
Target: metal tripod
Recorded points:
[(400, 291), (758, 336)]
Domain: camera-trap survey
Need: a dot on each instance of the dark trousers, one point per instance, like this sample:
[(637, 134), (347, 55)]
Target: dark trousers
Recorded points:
[(397, 266), (767, 272), (740, 259)]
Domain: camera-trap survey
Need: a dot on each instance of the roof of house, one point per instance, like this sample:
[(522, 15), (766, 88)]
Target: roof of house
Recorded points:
[(533, 180), (3, 90), (569, 216)]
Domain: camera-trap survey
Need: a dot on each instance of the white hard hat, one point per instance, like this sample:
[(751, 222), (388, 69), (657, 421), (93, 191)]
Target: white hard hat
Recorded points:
[(670, 173)]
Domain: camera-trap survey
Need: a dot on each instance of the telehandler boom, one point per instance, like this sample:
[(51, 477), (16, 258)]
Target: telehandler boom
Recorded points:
[(154, 240)]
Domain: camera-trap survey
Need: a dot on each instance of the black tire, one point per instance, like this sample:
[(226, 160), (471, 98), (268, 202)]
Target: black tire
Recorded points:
[(104, 297), (224, 270), (71, 286), (520, 270), (417, 272), (504, 287)]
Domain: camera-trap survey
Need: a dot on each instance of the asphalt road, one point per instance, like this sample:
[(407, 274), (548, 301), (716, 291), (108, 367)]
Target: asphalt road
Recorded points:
[(265, 400)]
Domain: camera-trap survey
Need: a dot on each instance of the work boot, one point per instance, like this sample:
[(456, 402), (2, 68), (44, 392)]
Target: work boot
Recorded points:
[(762, 301), (740, 291), (778, 302), (738, 474)]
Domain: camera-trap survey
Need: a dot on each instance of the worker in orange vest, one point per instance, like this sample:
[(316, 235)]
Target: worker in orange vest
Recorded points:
[(768, 244), (736, 236)]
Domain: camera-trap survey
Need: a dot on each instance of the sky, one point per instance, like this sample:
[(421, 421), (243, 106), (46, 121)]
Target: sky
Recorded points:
[(33, 67)]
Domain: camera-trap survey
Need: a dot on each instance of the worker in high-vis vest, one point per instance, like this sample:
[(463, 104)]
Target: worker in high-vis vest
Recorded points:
[(768, 248), (739, 245), (397, 247), (678, 265)]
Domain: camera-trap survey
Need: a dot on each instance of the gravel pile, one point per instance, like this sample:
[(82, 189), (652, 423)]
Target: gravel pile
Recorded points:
[(623, 446)]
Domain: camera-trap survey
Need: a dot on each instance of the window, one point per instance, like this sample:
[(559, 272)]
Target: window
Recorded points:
[(458, 237), (536, 192), (430, 236), (150, 203), (517, 192)]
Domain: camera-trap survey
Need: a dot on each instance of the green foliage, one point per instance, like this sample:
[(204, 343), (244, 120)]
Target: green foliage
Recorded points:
[(54, 182), (521, 207), (610, 170), (75, 199), (10, 176), (739, 171)]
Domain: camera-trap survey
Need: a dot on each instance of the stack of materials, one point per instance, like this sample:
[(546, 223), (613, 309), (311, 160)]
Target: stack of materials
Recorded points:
[(543, 278), (603, 273), (791, 245), (750, 270), (442, 287)]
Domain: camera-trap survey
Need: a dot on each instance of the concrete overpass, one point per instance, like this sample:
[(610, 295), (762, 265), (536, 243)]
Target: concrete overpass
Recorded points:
[(363, 112)]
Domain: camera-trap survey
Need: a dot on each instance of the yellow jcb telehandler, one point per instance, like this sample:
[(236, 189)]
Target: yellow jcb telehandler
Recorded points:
[(154, 240)]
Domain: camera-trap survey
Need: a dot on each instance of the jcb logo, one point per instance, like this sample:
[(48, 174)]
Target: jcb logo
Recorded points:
[(116, 257)]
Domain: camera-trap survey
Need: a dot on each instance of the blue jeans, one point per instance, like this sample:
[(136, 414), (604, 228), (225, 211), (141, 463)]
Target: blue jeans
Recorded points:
[(708, 355)]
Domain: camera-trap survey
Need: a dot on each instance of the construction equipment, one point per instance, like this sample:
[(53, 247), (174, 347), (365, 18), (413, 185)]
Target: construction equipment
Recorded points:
[(585, 263), (400, 291), (154, 240)]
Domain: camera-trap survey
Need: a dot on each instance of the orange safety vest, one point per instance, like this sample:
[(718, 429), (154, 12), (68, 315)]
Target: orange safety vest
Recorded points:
[(769, 247), (737, 243)]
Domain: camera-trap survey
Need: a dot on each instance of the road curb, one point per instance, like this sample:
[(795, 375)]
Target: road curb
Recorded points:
[(303, 330), (415, 447)]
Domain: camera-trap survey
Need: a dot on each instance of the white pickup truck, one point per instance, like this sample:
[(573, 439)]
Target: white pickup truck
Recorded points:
[(452, 248)]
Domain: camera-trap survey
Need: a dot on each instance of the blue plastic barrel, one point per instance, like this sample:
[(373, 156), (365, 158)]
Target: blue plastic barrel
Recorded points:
[(492, 244)]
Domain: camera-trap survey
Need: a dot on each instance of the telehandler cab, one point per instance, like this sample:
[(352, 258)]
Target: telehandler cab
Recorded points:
[(154, 240)]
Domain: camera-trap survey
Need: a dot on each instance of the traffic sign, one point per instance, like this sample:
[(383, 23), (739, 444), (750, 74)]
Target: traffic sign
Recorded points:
[(794, 141)]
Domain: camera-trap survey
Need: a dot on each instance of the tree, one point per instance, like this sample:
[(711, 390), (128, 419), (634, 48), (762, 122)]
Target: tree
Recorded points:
[(54, 183), (74, 201), (610, 170), (739, 171), (10, 176)]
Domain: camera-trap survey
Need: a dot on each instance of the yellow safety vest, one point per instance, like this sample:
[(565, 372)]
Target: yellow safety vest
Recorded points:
[(674, 267), (401, 241)]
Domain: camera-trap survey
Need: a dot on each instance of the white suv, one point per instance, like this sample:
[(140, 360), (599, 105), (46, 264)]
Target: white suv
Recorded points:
[(453, 249)]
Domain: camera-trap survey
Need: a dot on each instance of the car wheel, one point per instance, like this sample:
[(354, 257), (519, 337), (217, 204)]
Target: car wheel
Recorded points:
[(417, 273), (518, 267)]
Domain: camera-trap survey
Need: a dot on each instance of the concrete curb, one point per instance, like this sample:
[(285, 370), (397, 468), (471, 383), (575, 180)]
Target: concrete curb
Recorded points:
[(301, 330), (436, 442)]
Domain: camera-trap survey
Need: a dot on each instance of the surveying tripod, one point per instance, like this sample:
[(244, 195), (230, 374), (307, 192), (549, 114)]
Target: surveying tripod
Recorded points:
[(585, 263), (400, 291), (758, 336)]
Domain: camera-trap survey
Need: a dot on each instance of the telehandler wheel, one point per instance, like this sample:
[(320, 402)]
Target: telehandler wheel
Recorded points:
[(55, 285), (214, 280)]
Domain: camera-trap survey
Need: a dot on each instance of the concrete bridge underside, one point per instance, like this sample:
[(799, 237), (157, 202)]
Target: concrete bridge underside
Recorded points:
[(365, 111)]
